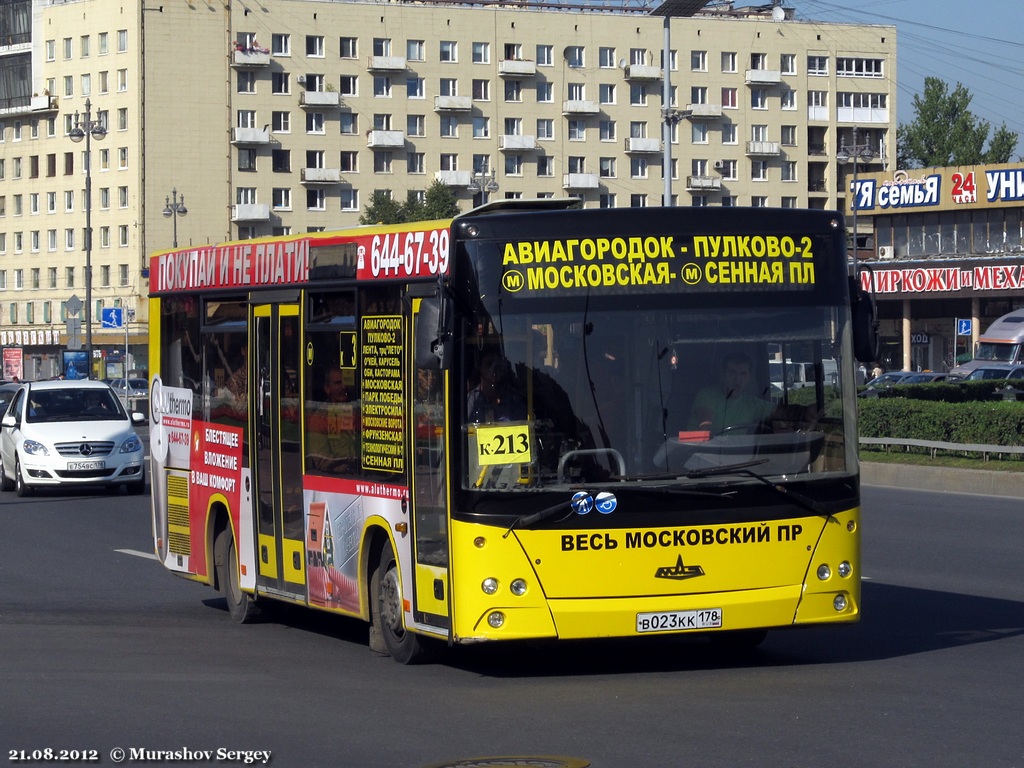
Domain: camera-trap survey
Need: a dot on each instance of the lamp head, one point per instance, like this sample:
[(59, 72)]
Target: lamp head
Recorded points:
[(76, 134)]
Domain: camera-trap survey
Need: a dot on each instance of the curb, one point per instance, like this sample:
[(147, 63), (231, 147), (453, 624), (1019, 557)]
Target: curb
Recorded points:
[(943, 479)]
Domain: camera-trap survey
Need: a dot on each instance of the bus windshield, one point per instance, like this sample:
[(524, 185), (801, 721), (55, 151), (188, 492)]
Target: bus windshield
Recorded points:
[(594, 392)]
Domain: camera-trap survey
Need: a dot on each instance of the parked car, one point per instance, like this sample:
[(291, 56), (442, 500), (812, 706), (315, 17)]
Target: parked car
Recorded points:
[(995, 372), (72, 433), (136, 387), (924, 377)]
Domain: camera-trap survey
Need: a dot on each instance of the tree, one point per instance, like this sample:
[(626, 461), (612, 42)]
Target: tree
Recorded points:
[(382, 209), (438, 203), (945, 131)]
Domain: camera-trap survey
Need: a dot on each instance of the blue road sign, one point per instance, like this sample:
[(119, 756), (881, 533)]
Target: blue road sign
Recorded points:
[(112, 317), (963, 327)]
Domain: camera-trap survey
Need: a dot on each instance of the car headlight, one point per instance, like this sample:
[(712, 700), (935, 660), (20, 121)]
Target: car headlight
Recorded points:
[(33, 448), (131, 445)]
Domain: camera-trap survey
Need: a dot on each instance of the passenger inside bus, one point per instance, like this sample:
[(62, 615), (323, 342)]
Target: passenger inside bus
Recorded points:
[(494, 397), (332, 426)]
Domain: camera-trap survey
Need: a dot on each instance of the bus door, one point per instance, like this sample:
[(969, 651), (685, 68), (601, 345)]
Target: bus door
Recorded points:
[(277, 446), (430, 491)]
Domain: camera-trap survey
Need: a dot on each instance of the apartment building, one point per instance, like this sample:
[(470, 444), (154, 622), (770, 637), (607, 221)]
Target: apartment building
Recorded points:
[(284, 116)]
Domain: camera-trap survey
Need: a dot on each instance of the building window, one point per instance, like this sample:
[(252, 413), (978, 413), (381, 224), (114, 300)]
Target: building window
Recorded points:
[(817, 66), (280, 44), (415, 50), (481, 53), (574, 56), (449, 52), (315, 46), (348, 48), (282, 198), (545, 55), (349, 200), (698, 61)]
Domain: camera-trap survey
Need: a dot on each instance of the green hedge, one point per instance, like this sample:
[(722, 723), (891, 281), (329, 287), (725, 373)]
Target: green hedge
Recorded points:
[(991, 422)]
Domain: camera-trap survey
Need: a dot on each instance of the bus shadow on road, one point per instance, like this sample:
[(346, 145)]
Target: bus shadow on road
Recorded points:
[(896, 621)]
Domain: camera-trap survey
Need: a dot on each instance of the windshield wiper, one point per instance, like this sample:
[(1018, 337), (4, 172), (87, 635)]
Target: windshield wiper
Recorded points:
[(742, 468)]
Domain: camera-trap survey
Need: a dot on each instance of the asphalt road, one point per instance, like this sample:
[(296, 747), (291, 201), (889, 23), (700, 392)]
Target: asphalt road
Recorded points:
[(100, 649)]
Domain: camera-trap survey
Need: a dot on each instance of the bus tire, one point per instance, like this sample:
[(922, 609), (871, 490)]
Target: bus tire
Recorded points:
[(241, 606), (386, 604)]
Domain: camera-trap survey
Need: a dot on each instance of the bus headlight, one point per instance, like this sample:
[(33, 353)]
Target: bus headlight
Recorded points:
[(845, 569), (839, 602), (489, 586), (518, 587), (824, 572), (496, 619)]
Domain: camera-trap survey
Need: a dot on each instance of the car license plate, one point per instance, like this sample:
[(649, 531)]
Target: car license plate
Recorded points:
[(676, 621), (81, 466)]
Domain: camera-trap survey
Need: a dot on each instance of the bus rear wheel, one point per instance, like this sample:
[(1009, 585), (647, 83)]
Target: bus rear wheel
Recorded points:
[(387, 606), (241, 607)]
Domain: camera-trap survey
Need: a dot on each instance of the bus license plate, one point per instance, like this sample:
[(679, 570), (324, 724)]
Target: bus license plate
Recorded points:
[(676, 621), (81, 466)]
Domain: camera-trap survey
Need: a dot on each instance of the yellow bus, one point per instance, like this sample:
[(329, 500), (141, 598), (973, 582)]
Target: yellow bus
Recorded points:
[(533, 421)]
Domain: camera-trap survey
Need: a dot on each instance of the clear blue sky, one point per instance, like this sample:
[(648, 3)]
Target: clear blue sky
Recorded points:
[(974, 42)]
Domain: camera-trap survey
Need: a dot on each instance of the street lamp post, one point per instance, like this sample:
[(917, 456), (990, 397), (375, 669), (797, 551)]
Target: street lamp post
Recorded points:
[(88, 129), (174, 208), (483, 184), (854, 152)]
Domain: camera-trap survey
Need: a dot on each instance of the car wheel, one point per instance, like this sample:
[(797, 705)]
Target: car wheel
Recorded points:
[(20, 486), (6, 484)]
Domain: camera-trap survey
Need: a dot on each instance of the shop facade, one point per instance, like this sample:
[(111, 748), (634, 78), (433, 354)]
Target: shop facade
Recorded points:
[(947, 258)]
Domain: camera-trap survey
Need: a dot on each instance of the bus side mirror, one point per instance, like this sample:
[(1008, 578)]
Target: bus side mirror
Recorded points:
[(866, 342), (434, 334)]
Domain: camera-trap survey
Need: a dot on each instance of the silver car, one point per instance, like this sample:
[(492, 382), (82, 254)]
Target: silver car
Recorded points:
[(69, 433)]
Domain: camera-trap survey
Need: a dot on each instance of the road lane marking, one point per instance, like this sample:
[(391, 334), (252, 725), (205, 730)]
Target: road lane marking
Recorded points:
[(136, 553)]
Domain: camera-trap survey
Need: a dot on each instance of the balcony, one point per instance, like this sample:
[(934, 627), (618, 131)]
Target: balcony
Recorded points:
[(386, 64), (454, 178), (250, 135), (453, 103), (517, 68), (320, 175), (385, 139), (579, 181), (250, 58), (517, 143), (643, 146), (763, 76), (580, 107), (643, 72), (250, 212), (703, 111), (762, 148), (320, 99), (703, 184)]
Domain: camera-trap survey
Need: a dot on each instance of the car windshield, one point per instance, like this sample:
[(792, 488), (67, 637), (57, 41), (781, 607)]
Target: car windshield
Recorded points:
[(586, 394), (78, 404)]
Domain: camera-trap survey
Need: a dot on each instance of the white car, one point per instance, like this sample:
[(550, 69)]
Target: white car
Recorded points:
[(69, 433)]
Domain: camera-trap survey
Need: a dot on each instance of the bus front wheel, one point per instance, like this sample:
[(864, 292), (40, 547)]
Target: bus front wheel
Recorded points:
[(241, 606), (387, 605)]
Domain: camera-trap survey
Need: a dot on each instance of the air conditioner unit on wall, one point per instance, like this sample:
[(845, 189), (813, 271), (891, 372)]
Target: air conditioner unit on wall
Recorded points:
[(885, 252), (719, 164), (301, 79)]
